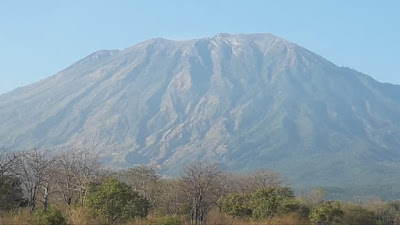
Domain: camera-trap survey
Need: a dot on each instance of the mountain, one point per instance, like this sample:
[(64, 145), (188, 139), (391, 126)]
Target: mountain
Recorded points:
[(247, 101)]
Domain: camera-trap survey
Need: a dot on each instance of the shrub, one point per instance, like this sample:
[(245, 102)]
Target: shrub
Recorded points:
[(168, 220), (327, 213), (236, 204), (51, 216), (116, 201), (272, 201)]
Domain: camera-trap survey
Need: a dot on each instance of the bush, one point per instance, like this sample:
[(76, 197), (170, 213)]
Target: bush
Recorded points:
[(236, 204), (169, 220), (272, 201), (51, 216), (328, 213), (116, 201)]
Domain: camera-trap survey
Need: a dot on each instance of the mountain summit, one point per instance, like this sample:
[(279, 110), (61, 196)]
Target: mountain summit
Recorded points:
[(245, 100)]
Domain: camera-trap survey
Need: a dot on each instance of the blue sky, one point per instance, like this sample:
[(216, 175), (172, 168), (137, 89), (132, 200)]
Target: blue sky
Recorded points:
[(39, 38)]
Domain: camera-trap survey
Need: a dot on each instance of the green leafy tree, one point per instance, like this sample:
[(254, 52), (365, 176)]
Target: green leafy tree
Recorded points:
[(116, 201), (236, 204), (327, 213), (51, 216), (268, 202)]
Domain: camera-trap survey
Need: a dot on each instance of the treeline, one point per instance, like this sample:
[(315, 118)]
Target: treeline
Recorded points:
[(72, 187)]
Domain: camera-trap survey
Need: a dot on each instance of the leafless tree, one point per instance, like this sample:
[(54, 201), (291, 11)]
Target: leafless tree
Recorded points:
[(247, 183), (7, 162), (145, 180), (201, 185), (314, 197), (33, 169), (171, 200), (10, 193), (75, 170)]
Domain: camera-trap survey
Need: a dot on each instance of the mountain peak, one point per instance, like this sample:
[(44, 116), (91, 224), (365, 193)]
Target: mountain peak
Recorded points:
[(245, 100), (247, 38)]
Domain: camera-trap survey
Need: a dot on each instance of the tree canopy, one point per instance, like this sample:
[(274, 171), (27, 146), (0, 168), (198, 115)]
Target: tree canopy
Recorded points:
[(117, 201)]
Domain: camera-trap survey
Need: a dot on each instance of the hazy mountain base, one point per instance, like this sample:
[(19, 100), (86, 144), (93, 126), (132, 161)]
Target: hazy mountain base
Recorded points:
[(247, 101)]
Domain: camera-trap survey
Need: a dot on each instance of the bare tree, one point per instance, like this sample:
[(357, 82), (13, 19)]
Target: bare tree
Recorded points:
[(145, 180), (247, 183), (201, 185), (7, 162), (313, 198), (171, 200), (11, 195), (33, 170), (75, 170)]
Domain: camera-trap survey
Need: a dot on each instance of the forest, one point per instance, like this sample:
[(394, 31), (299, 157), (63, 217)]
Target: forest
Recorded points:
[(41, 187)]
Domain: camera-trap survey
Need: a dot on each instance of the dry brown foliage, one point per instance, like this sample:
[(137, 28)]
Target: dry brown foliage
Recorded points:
[(19, 217)]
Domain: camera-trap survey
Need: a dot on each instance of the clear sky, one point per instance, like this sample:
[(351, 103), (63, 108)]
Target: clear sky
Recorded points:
[(39, 38)]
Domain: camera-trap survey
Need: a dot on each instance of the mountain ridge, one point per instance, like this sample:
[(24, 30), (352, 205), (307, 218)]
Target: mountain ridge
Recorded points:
[(246, 101)]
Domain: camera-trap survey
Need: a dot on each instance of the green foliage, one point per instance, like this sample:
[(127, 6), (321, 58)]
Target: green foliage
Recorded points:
[(303, 211), (11, 195), (116, 201), (268, 202), (51, 216), (327, 213), (264, 203), (236, 204)]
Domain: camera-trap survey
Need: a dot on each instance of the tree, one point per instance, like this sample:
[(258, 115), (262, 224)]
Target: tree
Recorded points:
[(7, 162), (314, 198), (146, 181), (251, 182), (268, 202), (11, 195), (236, 204), (75, 170), (201, 186), (171, 199), (33, 169), (116, 200), (327, 213)]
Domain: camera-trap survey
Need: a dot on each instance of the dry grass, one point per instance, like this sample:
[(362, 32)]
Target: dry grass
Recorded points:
[(217, 218), (19, 217), (160, 220), (84, 216)]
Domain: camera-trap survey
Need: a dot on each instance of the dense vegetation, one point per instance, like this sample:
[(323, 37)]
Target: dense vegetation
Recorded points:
[(72, 187)]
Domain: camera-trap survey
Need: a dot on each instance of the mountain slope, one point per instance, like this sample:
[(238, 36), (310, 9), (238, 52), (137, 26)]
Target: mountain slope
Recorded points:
[(247, 101)]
